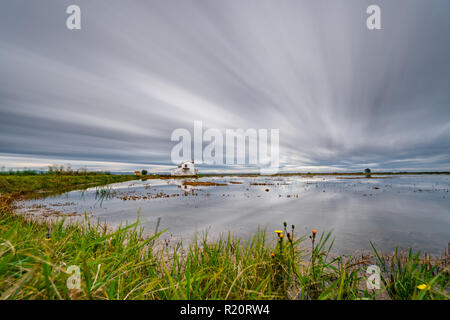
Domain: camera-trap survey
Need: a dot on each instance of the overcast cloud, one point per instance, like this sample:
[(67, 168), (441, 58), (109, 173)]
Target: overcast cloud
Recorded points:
[(108, 96)]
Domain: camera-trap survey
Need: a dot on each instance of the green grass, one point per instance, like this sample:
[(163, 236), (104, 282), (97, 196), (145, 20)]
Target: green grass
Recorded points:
[(18, 185), (127, 264)]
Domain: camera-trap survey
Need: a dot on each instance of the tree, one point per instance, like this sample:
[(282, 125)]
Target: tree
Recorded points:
[(144, 172)]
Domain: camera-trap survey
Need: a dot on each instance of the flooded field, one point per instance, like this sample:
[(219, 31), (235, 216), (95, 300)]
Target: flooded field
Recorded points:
[(408, 211)]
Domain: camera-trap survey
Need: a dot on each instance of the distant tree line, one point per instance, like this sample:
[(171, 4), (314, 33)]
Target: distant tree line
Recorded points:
[(53, 170)]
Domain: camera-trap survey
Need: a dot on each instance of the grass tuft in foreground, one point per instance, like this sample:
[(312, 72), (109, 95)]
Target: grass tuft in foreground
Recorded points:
[(35, 259)]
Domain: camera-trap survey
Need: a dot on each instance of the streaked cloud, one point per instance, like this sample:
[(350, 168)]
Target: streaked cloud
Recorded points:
[(109, 95)]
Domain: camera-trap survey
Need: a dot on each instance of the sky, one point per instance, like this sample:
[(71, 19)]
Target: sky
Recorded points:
[(109, 96)]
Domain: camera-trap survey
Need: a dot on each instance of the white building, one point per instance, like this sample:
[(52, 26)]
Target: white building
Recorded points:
[(185, 169)]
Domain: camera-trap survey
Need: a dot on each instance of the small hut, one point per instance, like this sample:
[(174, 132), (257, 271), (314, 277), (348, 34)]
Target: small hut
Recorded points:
[(185, 169)]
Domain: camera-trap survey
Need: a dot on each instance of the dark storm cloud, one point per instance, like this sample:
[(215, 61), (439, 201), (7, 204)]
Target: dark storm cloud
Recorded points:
[(342, 96)]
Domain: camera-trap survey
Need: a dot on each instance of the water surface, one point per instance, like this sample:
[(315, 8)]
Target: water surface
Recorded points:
[(408, 211)]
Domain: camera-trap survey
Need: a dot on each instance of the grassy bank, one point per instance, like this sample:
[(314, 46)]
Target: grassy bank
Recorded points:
[(36, 260)]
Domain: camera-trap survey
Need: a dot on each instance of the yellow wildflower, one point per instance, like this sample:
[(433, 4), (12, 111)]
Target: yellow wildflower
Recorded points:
[(423, 286)]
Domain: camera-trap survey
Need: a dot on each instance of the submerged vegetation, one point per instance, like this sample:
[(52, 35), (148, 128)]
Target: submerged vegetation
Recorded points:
[(37, 260)]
